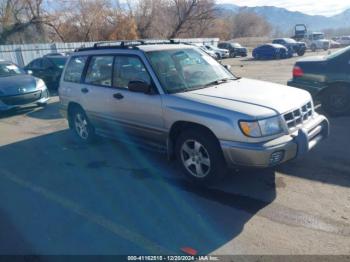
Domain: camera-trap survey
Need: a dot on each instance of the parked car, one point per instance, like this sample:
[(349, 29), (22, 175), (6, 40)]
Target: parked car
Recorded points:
[(271, 51), (185, 102), (19, 89), (313, 40), (327, 79), (296, 47), (221, 53), (56, 54), (335, 44), (48, 68), (316, 41), (235, 49), (206, 50), (344, 40)]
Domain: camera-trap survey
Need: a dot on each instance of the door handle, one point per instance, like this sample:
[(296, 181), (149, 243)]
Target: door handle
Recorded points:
[(118, 96), (85, 90)]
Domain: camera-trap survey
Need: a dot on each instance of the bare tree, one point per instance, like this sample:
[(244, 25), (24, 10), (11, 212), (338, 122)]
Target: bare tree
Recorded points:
[(18, 16), (247, 24), (189, 15)]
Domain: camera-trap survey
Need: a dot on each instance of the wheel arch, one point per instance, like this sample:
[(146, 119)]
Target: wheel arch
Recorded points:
[(70, 109), (332, 85), (180, 126)]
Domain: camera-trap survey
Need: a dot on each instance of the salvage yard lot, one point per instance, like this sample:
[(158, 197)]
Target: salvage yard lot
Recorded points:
[(61, 197)]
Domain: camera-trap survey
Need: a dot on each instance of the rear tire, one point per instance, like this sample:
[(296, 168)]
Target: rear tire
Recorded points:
[(336, 101), (200, 156), (81, 126), (43, 105)]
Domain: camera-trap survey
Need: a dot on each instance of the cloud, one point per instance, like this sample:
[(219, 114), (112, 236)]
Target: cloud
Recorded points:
[(312, 7)]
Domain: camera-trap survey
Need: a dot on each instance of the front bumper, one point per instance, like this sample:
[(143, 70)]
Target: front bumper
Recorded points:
[(277, 151), (225, 55), (15, 101)]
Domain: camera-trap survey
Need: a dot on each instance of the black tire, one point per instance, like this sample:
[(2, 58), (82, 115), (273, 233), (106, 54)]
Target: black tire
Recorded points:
[(301, 52), (219, 56), (77, 115), (41, 104), (336, 101), (209, 150), (232, 55), (313, 48)]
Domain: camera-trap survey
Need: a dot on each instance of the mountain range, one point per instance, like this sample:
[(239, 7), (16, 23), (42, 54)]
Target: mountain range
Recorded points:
[(285, 20)]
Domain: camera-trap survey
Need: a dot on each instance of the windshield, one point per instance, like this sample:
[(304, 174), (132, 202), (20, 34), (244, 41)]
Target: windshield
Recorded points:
[(318, 36), (10, 70), (59, 61), (236, 45), (338, 53), (290, 41), (187, 69)]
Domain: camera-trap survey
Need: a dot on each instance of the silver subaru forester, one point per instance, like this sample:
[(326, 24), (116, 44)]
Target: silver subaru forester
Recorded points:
[(178, 98)]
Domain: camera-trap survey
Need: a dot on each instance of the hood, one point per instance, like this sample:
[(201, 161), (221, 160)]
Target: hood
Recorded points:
[(313, 59), (323, 41), (17, 84), (277, 99)]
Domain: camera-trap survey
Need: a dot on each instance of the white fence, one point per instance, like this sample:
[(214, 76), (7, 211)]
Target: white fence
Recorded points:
[(23, 54)]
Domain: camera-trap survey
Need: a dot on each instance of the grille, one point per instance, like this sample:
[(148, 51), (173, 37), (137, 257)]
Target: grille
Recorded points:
[(297, 117), (22, 99)]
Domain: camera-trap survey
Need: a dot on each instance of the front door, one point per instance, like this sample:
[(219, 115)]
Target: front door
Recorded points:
[(115, 110)]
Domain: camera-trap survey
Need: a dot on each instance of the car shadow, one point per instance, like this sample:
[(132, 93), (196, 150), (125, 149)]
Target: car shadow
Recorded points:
[(329, 161), (50, 111), (11, 239), (129, 187)]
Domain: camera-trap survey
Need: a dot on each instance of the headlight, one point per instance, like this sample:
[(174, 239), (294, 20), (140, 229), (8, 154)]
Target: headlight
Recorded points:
[(261, 128), (40, 84)]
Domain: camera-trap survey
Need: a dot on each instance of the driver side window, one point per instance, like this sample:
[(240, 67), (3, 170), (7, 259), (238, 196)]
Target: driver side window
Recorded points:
[(127, 69)]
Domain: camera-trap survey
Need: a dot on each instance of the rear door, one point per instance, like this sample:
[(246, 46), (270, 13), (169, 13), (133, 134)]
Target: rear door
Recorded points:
[(96, 92)]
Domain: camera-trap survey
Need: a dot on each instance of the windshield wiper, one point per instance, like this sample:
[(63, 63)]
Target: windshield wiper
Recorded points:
[(220, 81)]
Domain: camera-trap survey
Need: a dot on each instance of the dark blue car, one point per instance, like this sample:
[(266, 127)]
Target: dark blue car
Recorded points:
[(297, 47), (271, 51)]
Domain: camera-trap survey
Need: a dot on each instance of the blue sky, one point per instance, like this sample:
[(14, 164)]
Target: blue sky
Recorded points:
[(313, 7)]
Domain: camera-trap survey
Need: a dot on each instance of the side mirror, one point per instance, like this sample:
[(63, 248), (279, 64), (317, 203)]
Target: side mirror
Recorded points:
[(29, 72), (228, 67), (139, 87)]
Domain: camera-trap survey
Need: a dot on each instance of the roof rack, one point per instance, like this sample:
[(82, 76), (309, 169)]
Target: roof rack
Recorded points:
[(127, 44)]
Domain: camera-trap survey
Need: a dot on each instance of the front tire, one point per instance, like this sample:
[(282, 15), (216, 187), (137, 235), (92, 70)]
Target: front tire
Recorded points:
[(81, 126), (336, 101), (313, 48), (200, 156), (301, 53)]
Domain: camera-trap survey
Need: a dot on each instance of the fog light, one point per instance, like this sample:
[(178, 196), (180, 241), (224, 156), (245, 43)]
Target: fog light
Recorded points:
[(276, 157)]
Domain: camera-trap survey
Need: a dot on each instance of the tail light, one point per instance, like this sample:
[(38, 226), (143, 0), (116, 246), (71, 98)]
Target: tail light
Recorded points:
[(297, 71)]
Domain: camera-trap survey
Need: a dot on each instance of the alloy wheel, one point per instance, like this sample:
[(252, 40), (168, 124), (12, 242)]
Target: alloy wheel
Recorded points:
[(81, 126), (195, 158)]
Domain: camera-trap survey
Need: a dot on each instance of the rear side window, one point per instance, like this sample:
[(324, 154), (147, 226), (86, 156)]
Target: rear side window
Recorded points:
[(75, 69), (36, 64), (100, 71)]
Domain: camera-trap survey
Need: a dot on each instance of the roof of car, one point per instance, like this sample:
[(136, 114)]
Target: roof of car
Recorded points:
[(161, 47)]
